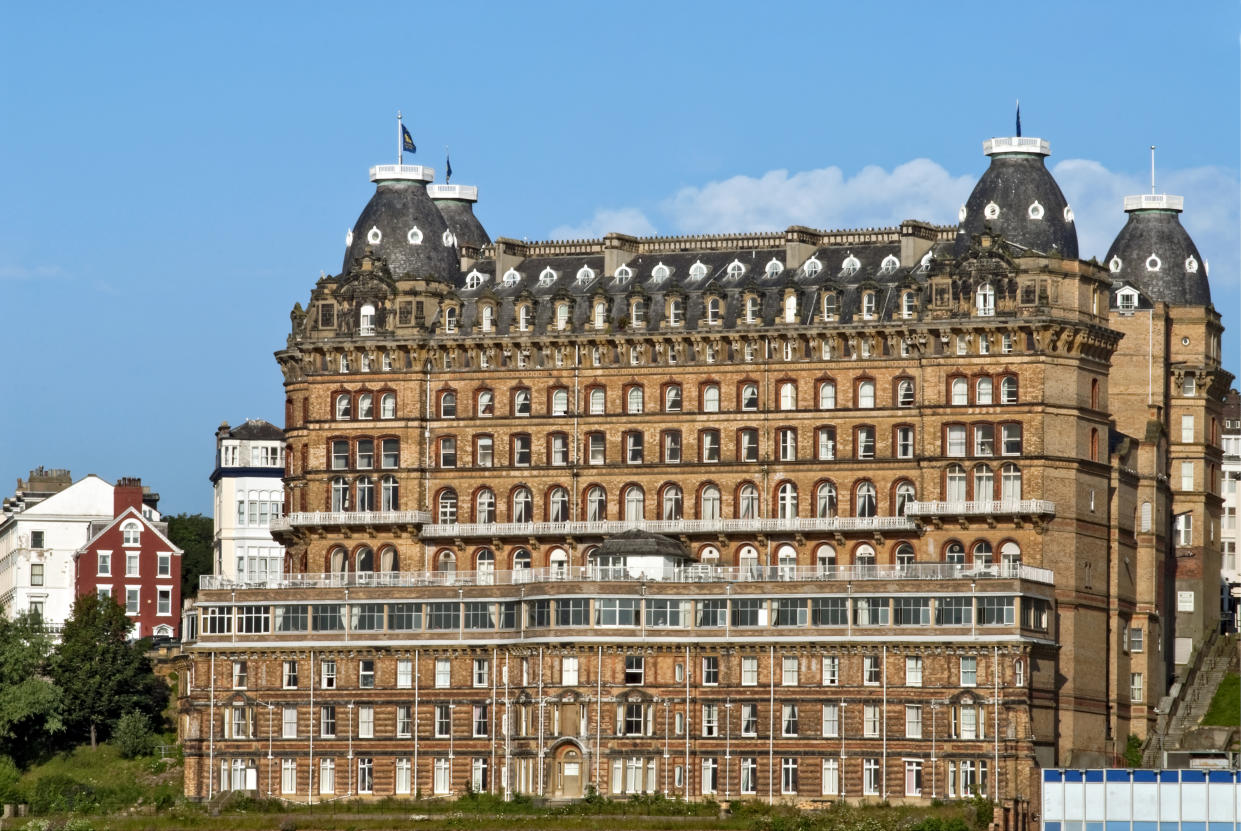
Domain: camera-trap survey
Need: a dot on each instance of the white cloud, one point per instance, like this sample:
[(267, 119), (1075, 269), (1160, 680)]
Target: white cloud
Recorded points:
[(22, 272), (623, 221)]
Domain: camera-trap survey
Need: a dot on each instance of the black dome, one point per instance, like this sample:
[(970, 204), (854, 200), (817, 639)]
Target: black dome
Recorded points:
[(402, 225), (456, 203), (1155, 253), (1018, 199)]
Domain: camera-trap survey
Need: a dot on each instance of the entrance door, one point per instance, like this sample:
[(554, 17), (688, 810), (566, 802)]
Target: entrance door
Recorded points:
[(569, 775)]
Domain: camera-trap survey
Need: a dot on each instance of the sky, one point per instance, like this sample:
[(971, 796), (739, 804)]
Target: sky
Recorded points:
[(174, 177)]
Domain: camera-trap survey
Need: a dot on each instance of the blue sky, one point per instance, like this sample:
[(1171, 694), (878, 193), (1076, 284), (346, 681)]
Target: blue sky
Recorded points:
[(175, 176)]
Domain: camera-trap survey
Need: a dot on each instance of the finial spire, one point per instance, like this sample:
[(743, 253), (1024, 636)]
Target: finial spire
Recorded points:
[(1018, 118), (1152, 168)]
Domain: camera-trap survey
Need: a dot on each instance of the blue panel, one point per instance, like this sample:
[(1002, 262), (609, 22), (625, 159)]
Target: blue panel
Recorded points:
[(1117, 825), (1117, 775), (1094, 776), (1072, 826), (1169, 826), (1144, 776), (1098, 826), (1222, 826), (1193, 826), (1193, 776), (1169, 776), (1051, 775), (1219, 776), (1145, 826), (1072, 776), (1051, 826)]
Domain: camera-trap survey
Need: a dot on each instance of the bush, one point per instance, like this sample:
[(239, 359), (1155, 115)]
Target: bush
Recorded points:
[(57, 793), (9, 777), (132, 735)]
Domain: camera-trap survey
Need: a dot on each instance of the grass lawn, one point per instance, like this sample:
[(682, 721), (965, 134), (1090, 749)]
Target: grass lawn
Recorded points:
[(1225, 709)]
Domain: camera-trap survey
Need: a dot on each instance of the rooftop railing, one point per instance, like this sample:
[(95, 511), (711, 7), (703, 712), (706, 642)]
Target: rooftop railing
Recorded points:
[(692, 573), (981, 507)]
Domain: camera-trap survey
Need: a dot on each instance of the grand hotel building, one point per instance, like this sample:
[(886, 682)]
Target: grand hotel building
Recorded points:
[(805, 515)]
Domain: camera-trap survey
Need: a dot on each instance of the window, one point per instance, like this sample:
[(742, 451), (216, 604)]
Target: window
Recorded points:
[(831, 670), (870, 670), (786, 501), (866, 500), (327, 720), (969, 671), (709, 441), (521, 450), (105, 564), (366, 722), (443, 673), (633, 400), (240, 675), (327, 674), (788, 776), (747, 502), (789, 666), (984, 300), (984, 440), (864, 442), (710, 720), (569, 671), (866, 394), (825, 443), (442, 776), (288, 776), (633, 448), (827, 395), (870, 720), (448, 405), (954, 440), (478, 720), (787, 441), (870, 777), (1135, 687), (710, 775), (789, 722), (163, 605), (443, 720), (596, 504), (1010, 436), (131, 563), (1135, 638), (749, 397), (1008, 390), (36, 575), (404, 776), (131, 600), (634, 669), (749, 775)]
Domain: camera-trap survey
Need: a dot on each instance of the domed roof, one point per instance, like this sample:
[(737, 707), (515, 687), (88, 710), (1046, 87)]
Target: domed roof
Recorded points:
[(1154, 252), (402, 225), (1018, 199), (456, 203)]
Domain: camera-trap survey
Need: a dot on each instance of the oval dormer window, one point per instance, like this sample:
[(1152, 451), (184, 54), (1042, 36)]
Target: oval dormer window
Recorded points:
[(850, 265), (660, 273), (1152, 262), (475, 279), (373, 236), (812, 266), (961, 214), (774, 268), (735, 269), (547, 277), (584, 275), (1068, 214), (992, 211), (349, 238), (1036, 210), (697, 271), (511, 277), (889, 265), (623, 275), (1115, 264), (449, 239), (414, 236), (1191, 264)]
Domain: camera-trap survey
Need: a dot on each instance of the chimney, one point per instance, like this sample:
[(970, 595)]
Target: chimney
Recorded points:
[(127, 494), (917, 238), (618, 249)]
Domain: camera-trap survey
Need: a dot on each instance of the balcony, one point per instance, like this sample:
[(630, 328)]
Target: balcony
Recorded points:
[(997, 507), (667, 526), (697, 573), (313, 518)]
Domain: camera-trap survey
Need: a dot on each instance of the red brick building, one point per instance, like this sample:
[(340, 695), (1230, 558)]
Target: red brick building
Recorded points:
[(131, 559)]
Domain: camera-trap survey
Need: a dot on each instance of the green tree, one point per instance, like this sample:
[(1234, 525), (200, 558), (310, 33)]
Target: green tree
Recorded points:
[(30, 702), (194, 535), (101, 673)]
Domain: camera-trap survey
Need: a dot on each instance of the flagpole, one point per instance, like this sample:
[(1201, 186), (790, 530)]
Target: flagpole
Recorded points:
[(400, 139)]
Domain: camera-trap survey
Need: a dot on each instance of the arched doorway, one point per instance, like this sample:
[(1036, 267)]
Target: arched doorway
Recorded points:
[(569, 772)]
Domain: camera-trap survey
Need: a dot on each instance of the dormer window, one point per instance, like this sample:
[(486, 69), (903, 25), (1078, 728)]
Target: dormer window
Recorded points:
[(1126, 300), (1153, 263), (475, 279), (735, 269), (414, 236), (584, 275), (547, 277), (131, 534), (889, 265), (366, 320), (511, 278), (697, 271), (909, 304), (850, 266), (637, 313), (623, 275), (448, 239), (1191, 264), (1036, 210), (601, 314), (562, 316), (790, 308), (774, 268), (660, 273), (812, 267)]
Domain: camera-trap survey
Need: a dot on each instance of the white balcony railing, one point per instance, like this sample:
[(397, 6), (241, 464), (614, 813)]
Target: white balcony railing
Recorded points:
[(350, 518), (692, 573), (669, 526), (982, 507)]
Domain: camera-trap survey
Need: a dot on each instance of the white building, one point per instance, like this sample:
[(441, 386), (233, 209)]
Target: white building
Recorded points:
[(249, 495), (1231, 468), (42, 529)]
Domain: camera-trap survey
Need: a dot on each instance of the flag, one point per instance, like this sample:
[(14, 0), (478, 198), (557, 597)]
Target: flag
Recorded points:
[(447, 169), (1018, 118), (407, 141)]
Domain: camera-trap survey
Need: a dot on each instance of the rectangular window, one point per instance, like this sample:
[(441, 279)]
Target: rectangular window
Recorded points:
[(288, 776), (870, 720), (568, 671), (831, 720), (443, 673), (289, 723), (595, 453), (1187, 428), (711, 613), (672, 446), (36, 574), (829, 611), (788, 776), (789, 666), (633, 448), (749, 719), (163, 601), (328, 675), (913, 721), (131, 564), (1011, 437), (163, 564), (404, 674), (404, 721), (442, 778), (871, 611), (865, 446), (913, 777), (366, 722), (366, 674), (831, 777), (710, 670), (403, 776), (788, 445), (870, 777), (953, 611), (831, 670), (871, 672), (1136, 638), (789, 723), (443, 720), (1135, 687), (984, 440), (749, 671), (748, 612), (521, 451), (996, 611), (969, 671), (1187, 476), (912, 611), (105, 564), (710, 445), (478, 720), (710, 720), (131, 600), (789, 611), (327, 721), (559, 450), (749, 775), (448, 452), (955, 440), (634, 669), (913, 671), (904, 442)]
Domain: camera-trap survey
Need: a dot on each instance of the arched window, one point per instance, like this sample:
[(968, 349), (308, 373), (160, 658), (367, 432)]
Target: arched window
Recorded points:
[(635, 504), (558, 505), (448, 405), (672, 398), (904, 555), (905, 496), (521, 402), (676, 311), (447, 513), (983, 554), (697, 271), (523, 505), (865, 500), (446, 562), (598, 401), (747, 502), (984, 300), (954, 553), (366, 320), (1008, 389), (596, 504), (389, 494), (523, 318), (984, 483), (827, 395), (485, 567), (864, 555), (365, 561), (1010, 557), (954, 484), (1010, 484), (747, 562), (1146, 517), (812, 266), (633, 400), (560, 402), (788, 396), (982, 392), (786, 501), (866, 394), (786, 562), (749, 396), (711, 398), (344, 407), (710, 503), (790, 308), (562, 316), (366, 406), (904, 393), (960, 392), (488, 317), (387, 405), (825, 501), (339, 561), (825, 560), (831, 305), (1094, 393), (1094, 444), (713, 310), (671, 502), (450, 319), (389, 560), (601, 315), (752, 309), (909, 304), (485, 506), (340, 494), (521, 565)]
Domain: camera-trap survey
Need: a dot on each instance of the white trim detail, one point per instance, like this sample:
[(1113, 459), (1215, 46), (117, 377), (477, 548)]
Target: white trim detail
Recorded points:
[(1036, 210), (449, 239), (374, 235), (1191, 264), (698, 270), (584, 275), (511, 277), (660, 272), (349, 238), (771, 271), (1115, 264), (961, 214), (1068, 214), (414, 236), (547, 277), (991, 211), (475, 279), (850, 265), (1153, 262)]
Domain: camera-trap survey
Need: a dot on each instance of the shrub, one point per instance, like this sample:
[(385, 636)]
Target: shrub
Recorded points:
[(9, 777), (57, 793), (132, 735)]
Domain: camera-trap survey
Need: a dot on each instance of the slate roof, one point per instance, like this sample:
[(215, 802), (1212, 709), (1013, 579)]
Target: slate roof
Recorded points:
[(1013, 183), (256, 429), (1154, 252), (465, 226), (642, 543), (395, 209)]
